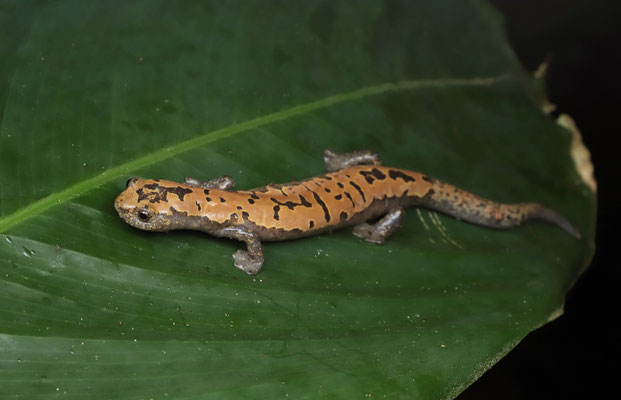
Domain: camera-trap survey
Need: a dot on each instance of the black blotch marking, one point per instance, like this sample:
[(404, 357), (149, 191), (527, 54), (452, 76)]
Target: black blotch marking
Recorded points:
[(208, 198), (311, 224), (276, 209), (291, 204), (338, 196), (394, 174), (326, 212), (179, 191), (198, 205), (428, 179), (431, 192), (160, 193), (304, 202), (152, 186), (239, 207), (245, 215), (358, 189), (141, 195), (343, 216), (372, 175), (206, 191), (222, 200), (254, 196), (339, 184), (327, 190), (350, 199), (251, 201)]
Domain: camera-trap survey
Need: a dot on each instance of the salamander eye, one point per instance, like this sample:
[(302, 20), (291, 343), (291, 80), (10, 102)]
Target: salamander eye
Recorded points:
[(144, 215)]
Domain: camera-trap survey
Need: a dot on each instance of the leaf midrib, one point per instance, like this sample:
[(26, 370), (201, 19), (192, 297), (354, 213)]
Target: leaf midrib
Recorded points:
[(81, 187)]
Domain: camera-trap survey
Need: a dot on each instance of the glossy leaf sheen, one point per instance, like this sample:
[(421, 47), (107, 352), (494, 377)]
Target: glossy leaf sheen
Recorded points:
[(94, 93)]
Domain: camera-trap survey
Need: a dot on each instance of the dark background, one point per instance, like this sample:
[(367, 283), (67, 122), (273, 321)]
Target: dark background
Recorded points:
[(576, 355)]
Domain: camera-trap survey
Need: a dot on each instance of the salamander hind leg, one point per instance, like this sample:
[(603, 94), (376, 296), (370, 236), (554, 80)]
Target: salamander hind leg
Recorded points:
[(223, 182), (337, 161), (380, 231), (251, 260)]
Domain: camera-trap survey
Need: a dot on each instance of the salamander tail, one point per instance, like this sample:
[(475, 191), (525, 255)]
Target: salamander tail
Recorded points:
[(469, 207), (537, 211)]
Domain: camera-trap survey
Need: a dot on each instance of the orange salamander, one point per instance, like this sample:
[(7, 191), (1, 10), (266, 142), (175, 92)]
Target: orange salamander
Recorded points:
[(355, 189)]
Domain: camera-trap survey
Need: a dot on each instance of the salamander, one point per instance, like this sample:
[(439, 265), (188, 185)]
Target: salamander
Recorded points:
[(355, 189)]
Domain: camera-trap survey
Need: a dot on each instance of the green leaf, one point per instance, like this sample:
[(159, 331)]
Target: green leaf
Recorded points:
[(94, 93)]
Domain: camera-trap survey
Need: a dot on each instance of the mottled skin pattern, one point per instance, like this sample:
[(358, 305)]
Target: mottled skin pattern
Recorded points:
[(356, 188)]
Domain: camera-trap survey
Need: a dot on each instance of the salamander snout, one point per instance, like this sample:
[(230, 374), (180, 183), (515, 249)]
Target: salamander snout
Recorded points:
[(140, 214)]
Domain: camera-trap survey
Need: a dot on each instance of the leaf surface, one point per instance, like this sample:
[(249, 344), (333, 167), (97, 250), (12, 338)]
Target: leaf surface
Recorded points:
[(92, 94)]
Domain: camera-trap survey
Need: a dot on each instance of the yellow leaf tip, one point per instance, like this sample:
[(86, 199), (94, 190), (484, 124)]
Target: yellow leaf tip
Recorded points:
[(579, 152)]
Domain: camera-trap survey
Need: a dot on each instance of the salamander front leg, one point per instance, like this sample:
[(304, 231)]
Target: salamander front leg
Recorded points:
[(379, 232), (223, 182), (250, 261), (336, 161)]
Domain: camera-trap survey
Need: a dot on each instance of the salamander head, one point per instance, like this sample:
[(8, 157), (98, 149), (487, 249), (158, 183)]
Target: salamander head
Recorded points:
[(146, 204)]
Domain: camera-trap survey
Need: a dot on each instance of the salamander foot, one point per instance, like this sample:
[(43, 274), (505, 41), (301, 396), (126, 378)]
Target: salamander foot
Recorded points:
[(223, 182), (337, 161), (247, 263), (380, 231)]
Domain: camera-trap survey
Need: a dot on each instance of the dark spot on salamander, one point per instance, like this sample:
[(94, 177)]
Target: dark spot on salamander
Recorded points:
[(254, 196), (180, 192), (251, 201), (305, 202), (276, 209), (141, 195), (338, 196), (206, 191), (160, 193), (358, 189), (222, 200), (350, 199), (343, 216), (208, 198), (428, 179), (198, 205), (339, 184), (311, 224), (326, 212), (239, 207), (291, 204), (372, 175), (394, 174), (327, 190), (245, 215)]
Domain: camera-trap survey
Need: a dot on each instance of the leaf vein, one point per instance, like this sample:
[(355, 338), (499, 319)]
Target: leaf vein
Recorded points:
[(86, 185)]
